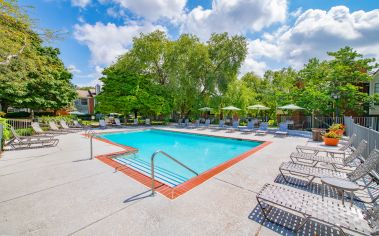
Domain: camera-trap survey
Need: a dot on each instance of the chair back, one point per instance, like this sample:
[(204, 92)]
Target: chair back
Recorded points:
[(250, 125), (53, 126), (76, 123), (236, 124), (366, 167), (102, 123), (207, 122), (222, 123), (15, 135), (135, 122), (64, 124), (263, 126), (117, 121), (37, 128), (147, 121), (283, 127), (349, 143), (357, 152), (186, 122), (107, 120)]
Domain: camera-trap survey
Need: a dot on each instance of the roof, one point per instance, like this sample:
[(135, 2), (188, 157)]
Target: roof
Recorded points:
[(83, 93)]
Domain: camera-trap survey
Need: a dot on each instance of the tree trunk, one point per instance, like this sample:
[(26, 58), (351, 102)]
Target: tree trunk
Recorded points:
[(4, 107), (135, 114)]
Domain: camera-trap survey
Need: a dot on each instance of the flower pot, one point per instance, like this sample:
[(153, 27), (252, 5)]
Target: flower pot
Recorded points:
[(331, 141), (339, 132)]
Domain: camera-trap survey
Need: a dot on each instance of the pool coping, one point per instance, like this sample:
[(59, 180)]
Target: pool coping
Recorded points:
[(162, 188)]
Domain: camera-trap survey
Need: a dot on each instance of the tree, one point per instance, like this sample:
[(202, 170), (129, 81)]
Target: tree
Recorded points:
[(32, 75)]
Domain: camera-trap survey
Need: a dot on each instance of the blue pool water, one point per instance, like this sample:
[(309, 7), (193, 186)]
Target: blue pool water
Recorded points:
[(198, 152)]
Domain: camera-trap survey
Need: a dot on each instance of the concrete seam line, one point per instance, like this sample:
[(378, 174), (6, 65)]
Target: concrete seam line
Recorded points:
[(237, 186), (55, 186), (103, 218)]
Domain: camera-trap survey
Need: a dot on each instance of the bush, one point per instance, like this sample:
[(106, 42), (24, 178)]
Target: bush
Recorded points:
[(6, 129), (20, 114), (46, 119), (336, 127), (271, 122), (331, 134)]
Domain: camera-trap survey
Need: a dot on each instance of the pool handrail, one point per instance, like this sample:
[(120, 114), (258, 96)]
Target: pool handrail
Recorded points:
[(152, 168)]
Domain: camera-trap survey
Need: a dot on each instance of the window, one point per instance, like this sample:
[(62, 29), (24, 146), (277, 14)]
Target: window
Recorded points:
[(376, 88), (83, 101)]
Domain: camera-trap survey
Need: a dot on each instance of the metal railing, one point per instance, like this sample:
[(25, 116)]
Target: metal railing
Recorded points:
[(22, 126), (153, 172), (370, 135)]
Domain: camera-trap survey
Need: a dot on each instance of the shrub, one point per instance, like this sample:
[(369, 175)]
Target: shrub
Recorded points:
[(2, 114), (332, 134), (6, 128), (20, 114), (271, 122), (336, 127)]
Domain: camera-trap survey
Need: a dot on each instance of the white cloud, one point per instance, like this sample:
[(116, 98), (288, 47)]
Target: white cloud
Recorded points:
[(73, 69), (108, 41), (234, 16), (316, 32), (80, 3), (93, 78), (154, 10)]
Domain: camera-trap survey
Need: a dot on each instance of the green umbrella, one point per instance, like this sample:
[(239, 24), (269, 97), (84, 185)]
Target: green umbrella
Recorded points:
[(205, 109), (231, 108), (290, 107), (258, 107)]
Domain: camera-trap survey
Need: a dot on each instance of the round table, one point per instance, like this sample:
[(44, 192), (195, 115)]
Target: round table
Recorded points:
[(340, 184)]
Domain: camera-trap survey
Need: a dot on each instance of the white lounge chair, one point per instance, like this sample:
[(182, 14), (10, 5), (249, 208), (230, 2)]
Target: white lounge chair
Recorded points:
[(283, 129), (102, 124), (135, 121), (263, 129), (147, 121)]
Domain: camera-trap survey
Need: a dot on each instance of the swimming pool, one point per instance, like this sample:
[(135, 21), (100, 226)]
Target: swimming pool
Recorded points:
[(199, 152)]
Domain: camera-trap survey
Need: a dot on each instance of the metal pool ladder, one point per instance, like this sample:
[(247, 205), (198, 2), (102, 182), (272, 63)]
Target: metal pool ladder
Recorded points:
[(152, 167)]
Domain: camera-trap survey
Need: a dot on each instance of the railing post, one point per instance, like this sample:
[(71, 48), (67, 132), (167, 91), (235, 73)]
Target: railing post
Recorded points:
[(90, 135)]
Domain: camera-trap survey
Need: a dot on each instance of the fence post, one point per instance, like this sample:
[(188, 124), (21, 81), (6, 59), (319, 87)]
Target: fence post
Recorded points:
[(1, 138)]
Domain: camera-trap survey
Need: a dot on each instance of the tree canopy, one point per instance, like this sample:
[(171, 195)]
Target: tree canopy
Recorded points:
[(160, 76), (31, 75)]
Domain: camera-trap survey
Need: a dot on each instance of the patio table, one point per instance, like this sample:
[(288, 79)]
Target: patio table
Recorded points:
[(342, 185)]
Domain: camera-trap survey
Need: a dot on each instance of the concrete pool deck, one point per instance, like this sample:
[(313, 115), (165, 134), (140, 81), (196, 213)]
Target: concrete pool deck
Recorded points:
[(58, 191)]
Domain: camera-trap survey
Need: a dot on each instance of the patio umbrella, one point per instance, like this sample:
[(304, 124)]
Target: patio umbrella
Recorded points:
[(290, 107), (205, 109), (258, 107), (231, 108)]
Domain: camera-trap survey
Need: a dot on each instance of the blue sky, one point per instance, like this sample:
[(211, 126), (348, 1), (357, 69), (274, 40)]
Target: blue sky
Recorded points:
[(279, 32)]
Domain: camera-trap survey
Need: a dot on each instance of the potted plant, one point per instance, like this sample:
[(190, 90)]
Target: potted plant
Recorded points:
[(331, 138), (337, 128)]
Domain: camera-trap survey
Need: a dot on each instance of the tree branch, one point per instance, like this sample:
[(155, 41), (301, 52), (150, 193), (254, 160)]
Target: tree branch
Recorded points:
[(10, 57)]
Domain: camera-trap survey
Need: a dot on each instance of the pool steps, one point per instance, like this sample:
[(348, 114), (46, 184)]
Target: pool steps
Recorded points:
[(168, 177)]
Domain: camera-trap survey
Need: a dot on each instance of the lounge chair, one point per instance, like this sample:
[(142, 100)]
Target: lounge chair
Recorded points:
[(312, 172), (186, 123), (39, 131), (102, 124), (263, 129), (197, 124), (135, 121), (234, 126), (283, 129), (117, 123), (332, 152), (66, 127), (248, 128), (55, 128), (28, 141), (221, 124), (335, 162), (207, 123), (147, 121), (312, 207)]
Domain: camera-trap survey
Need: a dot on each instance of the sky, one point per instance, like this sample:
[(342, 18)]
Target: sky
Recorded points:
[(280, 33)]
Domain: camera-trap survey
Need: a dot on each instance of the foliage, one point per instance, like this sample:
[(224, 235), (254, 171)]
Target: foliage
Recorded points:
[(334, 127), (46, 119), (31, 74), (332, 134), (6, 128)]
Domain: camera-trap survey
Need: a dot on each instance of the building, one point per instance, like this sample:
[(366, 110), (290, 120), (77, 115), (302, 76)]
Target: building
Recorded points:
[(86, 102), (374, 89)]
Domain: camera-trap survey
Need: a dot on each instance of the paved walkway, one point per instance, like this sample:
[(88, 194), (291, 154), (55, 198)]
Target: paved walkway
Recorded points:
[(58, 191)]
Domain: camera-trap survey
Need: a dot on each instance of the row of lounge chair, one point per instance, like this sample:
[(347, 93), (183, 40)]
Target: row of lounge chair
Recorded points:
[(348, 163), (103, 124), (42, 138), (249, 128)]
